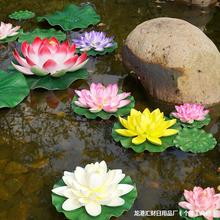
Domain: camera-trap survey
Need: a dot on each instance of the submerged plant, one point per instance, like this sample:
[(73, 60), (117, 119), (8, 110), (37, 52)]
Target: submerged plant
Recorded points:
[(48, 57), (94, 191), (188, 113), (150, 126), (96, 41), (7, 31), (200, 202)]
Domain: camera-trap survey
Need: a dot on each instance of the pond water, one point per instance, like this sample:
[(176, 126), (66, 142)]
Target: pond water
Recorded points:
[(41, 137)]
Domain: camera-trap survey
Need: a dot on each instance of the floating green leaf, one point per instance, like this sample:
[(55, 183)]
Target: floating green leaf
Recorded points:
[(106, 51), (102, 114), (73, 17), (54, 83), (12, 38), (22, 15), (194, 140), (13, 89), (107, 212), (126, 142), (42, 33), (195, 124)]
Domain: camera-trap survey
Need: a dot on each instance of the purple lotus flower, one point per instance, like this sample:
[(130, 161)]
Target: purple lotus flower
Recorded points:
[(188, 113), (93, 40)]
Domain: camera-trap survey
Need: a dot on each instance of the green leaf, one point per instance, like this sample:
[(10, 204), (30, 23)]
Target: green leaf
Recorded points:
[(54, 83), (22, 15), (12, 38), (102, 114), (195, 140), (42, 33), (73, 17), (195, 124), (92, 52), (13, 89), (126, 142), (107, 212)]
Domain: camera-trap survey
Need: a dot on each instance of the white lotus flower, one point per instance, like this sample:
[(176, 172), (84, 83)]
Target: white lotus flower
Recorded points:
[(6, 30), (92, 187)]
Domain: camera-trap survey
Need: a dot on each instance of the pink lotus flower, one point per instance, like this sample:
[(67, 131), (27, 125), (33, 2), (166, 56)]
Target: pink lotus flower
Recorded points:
[(100, 98), (48, 56), (187, 113), (202, 202), (6, 30)]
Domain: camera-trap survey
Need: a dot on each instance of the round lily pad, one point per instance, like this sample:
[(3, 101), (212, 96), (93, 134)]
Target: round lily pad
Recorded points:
[(194, 140), (93, 52), (102, 114), (13, 89), (126, 142), (107, 212), (42, 33), (22, 15), (12, 38), (73, 17), (54, 83), (195, 124)]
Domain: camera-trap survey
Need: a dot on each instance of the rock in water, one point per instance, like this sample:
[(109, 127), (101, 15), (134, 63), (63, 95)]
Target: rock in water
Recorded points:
[(175, 61)]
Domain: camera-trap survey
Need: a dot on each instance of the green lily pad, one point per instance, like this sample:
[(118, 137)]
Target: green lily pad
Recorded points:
[(93, 52), (194, 140), (54, 83), (102, 114), (107, 212), (73, 17), (126, 142), (13, 89), (195, 124), (12, 38), (42, 33), (22, 15)]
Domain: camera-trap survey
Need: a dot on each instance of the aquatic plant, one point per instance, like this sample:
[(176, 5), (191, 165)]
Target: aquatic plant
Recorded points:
[(94, 191), (148, 125), (188, 113), (72, 17), (48, 57), (95, 42), (7, 31), (22, 15), (102, 101), (200, 202)]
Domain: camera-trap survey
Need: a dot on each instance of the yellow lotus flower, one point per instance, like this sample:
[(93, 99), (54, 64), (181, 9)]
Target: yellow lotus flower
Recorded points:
[(148, 125)]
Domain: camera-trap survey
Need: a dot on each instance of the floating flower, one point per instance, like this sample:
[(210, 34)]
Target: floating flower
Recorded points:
[(6, 30), (48, 57), (201, 202), (99, 98), (188, 113), (93, 40), (94, 187), (144, 126)]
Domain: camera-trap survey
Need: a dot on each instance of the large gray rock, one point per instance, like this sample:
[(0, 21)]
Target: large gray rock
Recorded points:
[(175, 61)]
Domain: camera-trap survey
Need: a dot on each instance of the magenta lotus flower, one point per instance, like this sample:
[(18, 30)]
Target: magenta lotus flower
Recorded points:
[(48, 56), (202, 202), (100, 98), (93, 40), (188, 113), (6, 30)]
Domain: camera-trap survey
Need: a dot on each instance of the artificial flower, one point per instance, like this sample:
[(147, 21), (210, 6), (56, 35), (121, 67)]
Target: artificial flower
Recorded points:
[(202, 202), (99, 98), (148, 125), (188, 113), (93, 40), (93, 187), (6, 30), (48, 57)]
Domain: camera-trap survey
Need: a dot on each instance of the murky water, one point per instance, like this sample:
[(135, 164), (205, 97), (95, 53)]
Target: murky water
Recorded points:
[(41, 137)]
